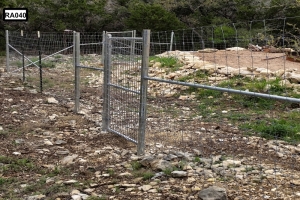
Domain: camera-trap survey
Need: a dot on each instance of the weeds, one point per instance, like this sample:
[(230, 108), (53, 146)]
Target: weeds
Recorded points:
[(171, 63), (136, 165)]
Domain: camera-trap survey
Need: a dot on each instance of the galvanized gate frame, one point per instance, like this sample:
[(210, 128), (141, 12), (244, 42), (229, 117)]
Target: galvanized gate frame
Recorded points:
[(106, 118)]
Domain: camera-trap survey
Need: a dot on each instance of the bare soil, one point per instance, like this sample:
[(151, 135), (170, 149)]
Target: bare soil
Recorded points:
[(252, 60)]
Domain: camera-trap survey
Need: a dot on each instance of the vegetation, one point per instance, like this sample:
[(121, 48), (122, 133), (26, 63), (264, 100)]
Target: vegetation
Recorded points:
[(119, 15)]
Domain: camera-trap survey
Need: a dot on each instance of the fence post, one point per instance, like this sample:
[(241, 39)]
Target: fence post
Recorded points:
[(7, 50), (143, 93), (106, 80), (76, 38), (103, 47), (171, 42), (23, 61), (40, 62), (133, 43)]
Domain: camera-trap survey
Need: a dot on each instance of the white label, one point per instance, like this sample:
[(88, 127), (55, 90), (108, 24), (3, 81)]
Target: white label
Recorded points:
[(15, 14)]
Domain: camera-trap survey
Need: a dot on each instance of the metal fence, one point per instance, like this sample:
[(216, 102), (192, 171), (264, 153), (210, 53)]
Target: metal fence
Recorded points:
[(236, 109), (124, 91)]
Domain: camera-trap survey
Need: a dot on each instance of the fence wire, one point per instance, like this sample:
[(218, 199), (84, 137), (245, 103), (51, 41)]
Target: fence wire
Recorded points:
[(211, 93), (124, 86)]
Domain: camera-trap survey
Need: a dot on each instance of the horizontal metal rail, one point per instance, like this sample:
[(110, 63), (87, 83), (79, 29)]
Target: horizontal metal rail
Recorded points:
[(126, 38), (85, 44), (123, 88), (229, 90), (95, 68), (120, 134), (120, 32), (158, 43)]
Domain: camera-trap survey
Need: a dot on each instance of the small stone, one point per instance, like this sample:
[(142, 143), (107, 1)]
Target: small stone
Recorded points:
[(125, 174), (89, 190), (146, 187), (213, 193), (52, 100), (68, 159), (19, 88), (48, 142), (107, 148), (152, 191), (33, 91), (297, 194), (36, 197), (179, 174), (76, 197), (19, 141), (161, 165), (64, 152), (16, 153), (75, 192), (59, 142), (211, 180), (296, 182), (69, 182), (129, 189)]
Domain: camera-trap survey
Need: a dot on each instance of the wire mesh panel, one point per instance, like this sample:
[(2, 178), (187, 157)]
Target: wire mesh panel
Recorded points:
[(125, 59)]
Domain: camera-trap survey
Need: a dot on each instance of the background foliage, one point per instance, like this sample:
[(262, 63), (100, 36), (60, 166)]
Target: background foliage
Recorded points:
[(157, 15)]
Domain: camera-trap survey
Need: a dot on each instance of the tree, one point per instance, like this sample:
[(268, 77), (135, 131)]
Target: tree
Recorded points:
[(151, 16)]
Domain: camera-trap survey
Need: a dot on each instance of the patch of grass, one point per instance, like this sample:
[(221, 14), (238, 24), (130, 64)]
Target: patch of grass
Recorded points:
[(286, 127), (168, 171), (204, 93), (48, 83), (54, 189), (136, 165), (171, 63), (14, 164), (147, 175), (197, 159), (5, 181), (237, 117), (111, 172), (249, 169)]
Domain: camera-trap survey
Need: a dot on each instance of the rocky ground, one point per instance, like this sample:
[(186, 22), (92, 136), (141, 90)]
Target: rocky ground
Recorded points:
[(49, 152)]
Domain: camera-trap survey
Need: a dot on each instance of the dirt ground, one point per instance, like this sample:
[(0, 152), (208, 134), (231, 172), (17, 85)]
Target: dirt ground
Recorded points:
[(237, 59), (28, 122)]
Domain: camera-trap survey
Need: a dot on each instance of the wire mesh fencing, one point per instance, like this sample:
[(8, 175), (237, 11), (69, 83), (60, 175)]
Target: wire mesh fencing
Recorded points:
[(229, 94)]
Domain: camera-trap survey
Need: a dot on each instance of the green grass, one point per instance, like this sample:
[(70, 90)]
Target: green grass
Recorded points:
[(35, 60), (136, 165), (171, 63), (15, 165), (287, 129)]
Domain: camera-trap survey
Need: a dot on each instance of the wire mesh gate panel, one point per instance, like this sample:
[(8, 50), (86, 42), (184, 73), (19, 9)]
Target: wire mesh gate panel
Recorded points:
[(122, 86)]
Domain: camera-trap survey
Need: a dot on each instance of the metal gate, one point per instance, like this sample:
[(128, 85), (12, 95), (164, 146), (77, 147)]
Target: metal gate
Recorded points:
[(124, 108)]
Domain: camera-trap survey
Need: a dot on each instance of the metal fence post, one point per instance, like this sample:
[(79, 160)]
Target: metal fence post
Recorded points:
[(77, 70), (40, 62), (7, 50), (171, 42), (143, 93), (103, 47), (23, 61), (106, 80), (133, 43)]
